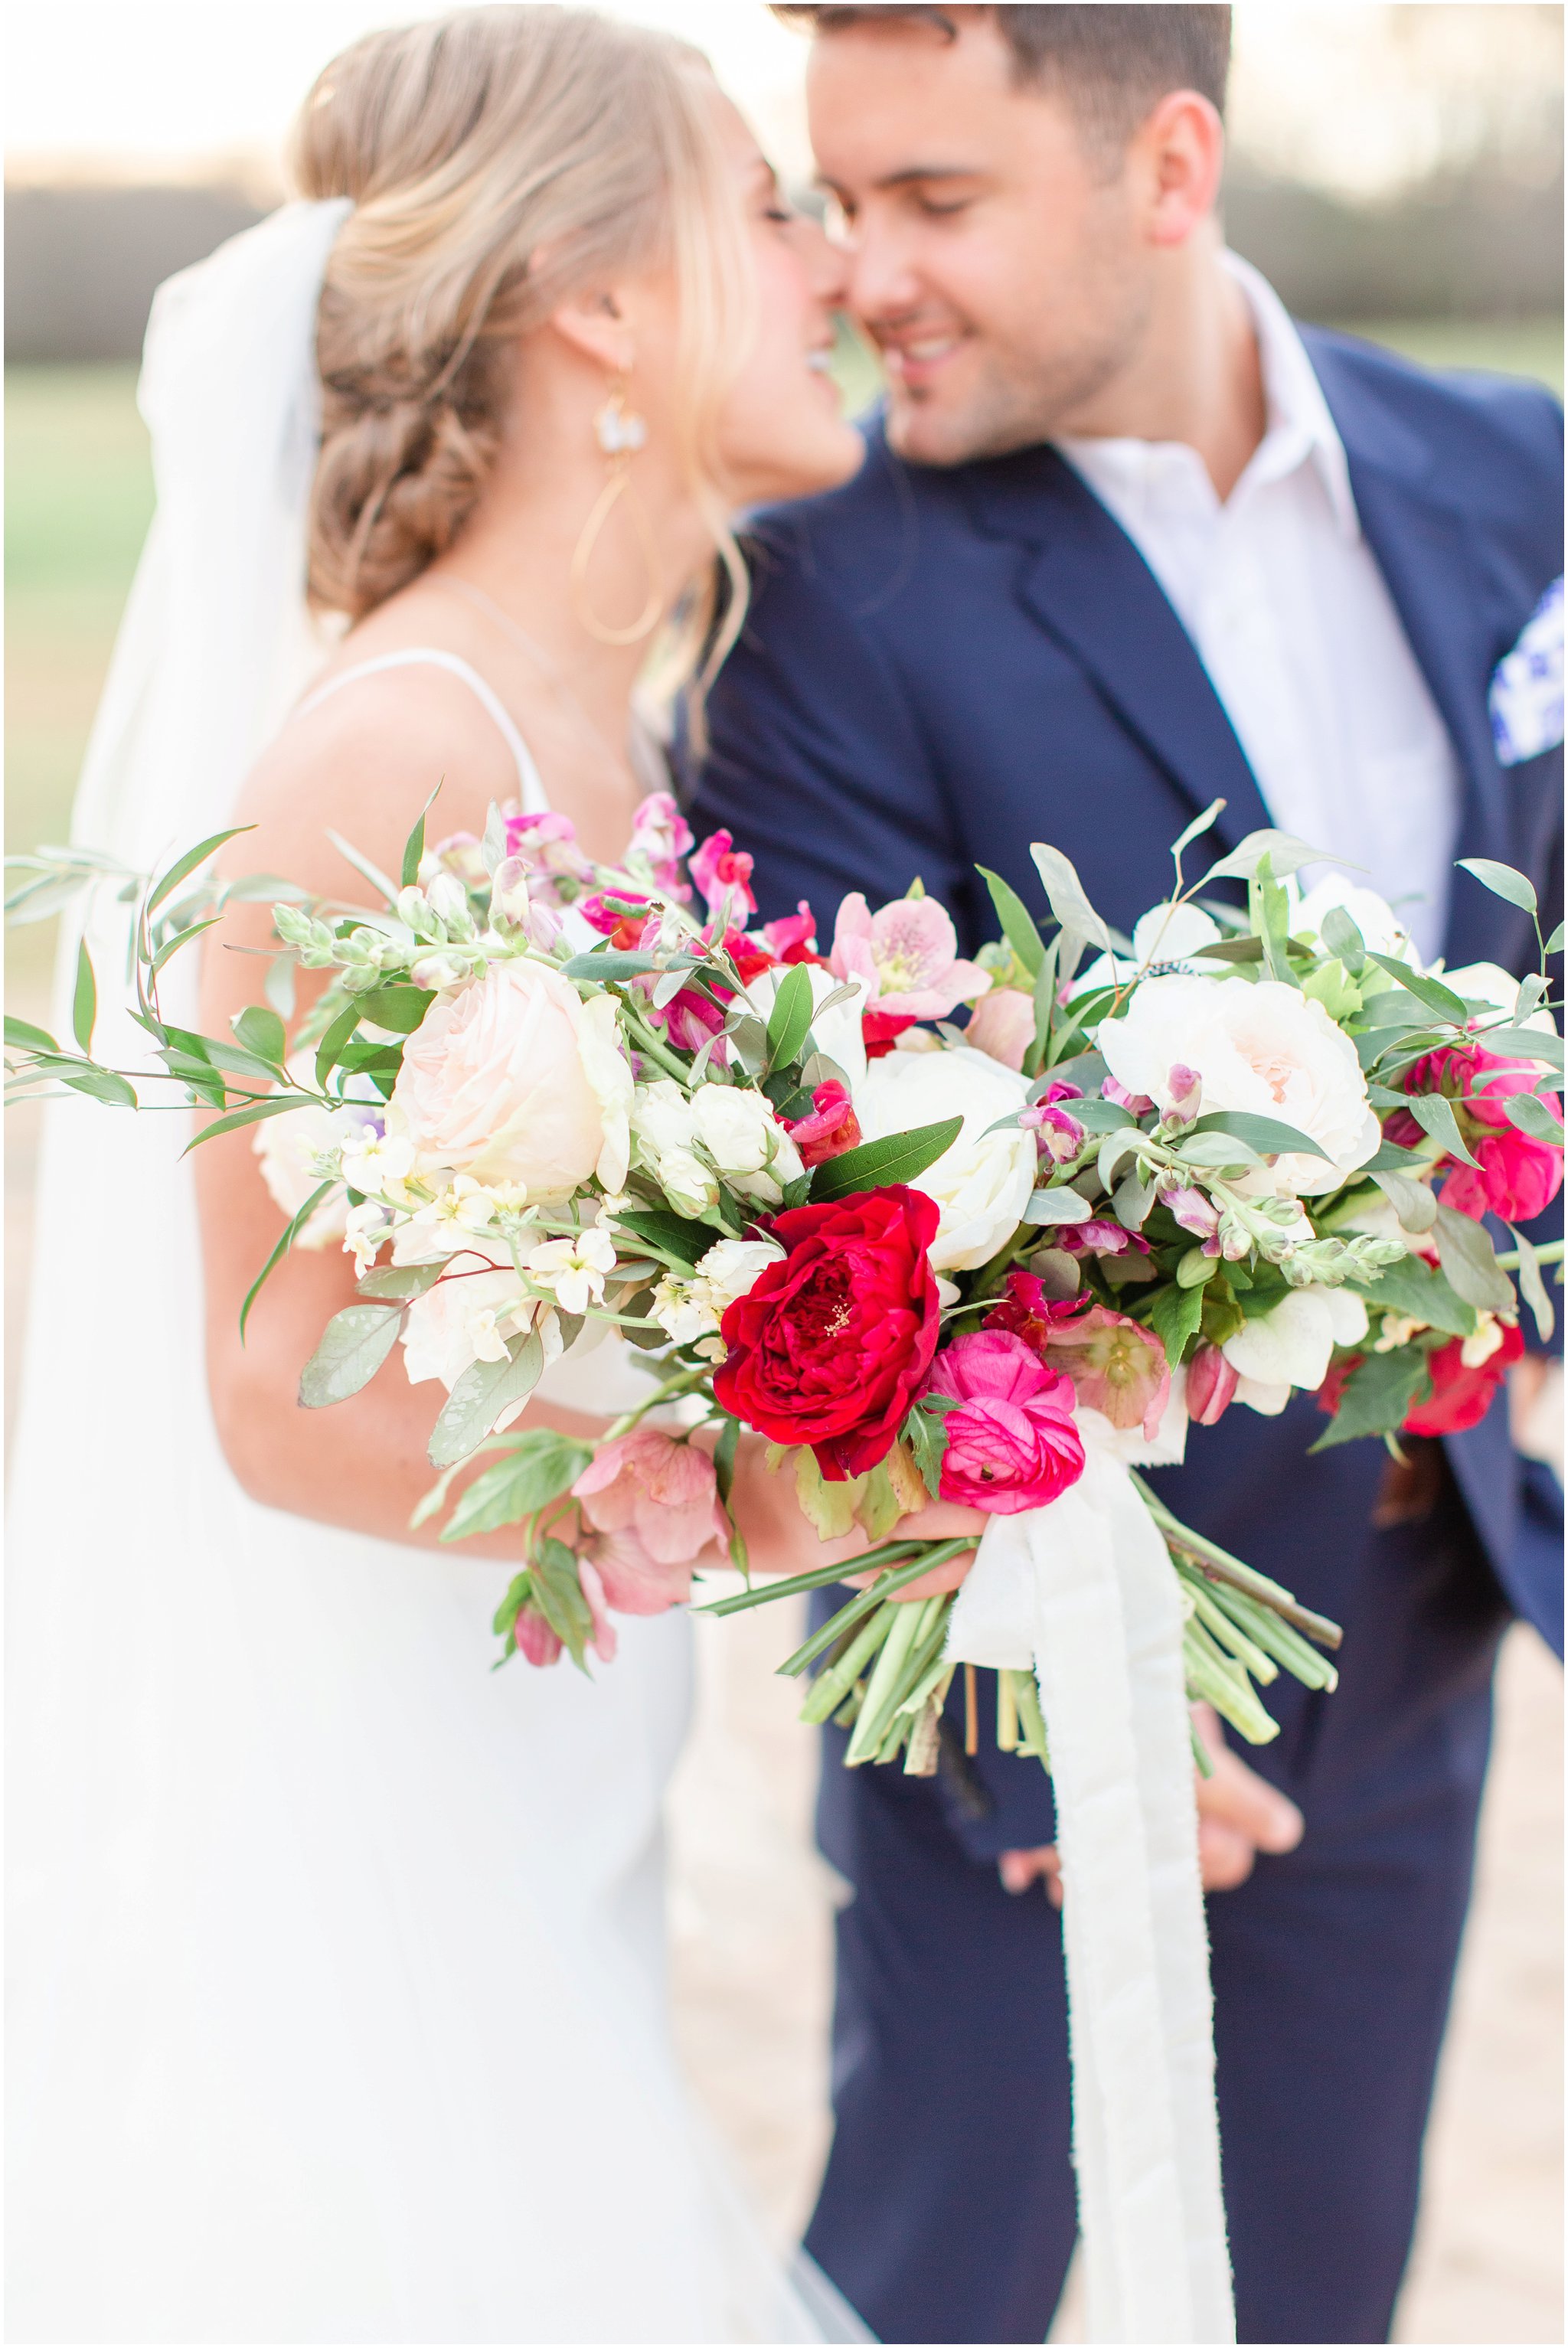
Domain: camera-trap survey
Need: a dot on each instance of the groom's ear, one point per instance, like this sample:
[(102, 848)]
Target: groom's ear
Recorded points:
[(1178, 157)]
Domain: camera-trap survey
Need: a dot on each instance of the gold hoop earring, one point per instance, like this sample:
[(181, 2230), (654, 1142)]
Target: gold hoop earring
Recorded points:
[(620, 432)]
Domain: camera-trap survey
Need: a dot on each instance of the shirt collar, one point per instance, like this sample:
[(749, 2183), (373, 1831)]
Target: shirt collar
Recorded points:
[(1299, 427), (1296, 406)]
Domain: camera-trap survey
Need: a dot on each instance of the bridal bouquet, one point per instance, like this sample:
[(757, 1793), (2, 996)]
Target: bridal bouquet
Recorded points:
[(548, 1105)]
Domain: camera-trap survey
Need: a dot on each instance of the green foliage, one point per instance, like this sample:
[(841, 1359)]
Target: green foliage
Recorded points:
[(1502, 880), (1018, 925), (1176, 1314), (353, 1344), (483, 1392), (84, 1003), (1434, 1112), (398, 1008), (1469, 1262), (540, 1468), (291, 1232), (262, 1031), (1425, 1295), (876, 1165), (789, 1021)]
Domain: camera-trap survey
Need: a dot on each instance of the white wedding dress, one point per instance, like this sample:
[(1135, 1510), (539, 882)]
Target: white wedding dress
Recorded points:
[(335, 1959)]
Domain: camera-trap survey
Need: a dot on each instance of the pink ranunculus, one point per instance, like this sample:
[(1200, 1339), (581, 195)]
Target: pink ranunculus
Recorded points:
[(1117, 1367), (723, 873), (832, 1128), (1011, 1444), (1211, 1386), (1518, 1176), (602, 1639), (794, 938), (907, 957), (663, 1490), (1003, 1024), (532, 1637), (662, 834), (1098, 1236)]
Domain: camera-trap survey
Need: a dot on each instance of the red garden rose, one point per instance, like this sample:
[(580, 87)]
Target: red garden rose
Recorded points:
[(1462, 1395), (831, 1346)]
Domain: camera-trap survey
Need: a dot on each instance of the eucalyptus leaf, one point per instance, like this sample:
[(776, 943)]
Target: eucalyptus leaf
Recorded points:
[(1524, 1043), (398, 1009), (1434, 1113), (1267, 1135), (1217, 1149), (400, 1282), (542, 1466), (253, 1113), (1018, 925), (1065, 891), (896, 1158), (1533, 1288), (483, 1392), (1344, 940), (607, 963), (1411, 1201), (1502, 880), (188, 862), (1430, 991), (1376, 1396), (353, 1344), (1469, 1262), (1532, 1116), (789, 1021), (1415, 1288), (84, 1001), (1196, 829), (1061, 1205), (1284, 852), (261, 1031)]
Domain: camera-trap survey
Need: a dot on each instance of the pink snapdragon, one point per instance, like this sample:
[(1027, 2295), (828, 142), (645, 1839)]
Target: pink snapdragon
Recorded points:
[(1193, 1208), (1135, 1104), (906, 955), (1011, 1444), (1059, 1135), (1186, 1090), (723, 873), (661, 835), (1117, 1367), (663, 1490), (547, 843), (794, 938), (1098, 1236)]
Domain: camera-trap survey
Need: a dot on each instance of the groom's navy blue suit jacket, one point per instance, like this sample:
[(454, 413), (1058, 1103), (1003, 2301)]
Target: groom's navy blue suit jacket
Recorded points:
[(942, 666)]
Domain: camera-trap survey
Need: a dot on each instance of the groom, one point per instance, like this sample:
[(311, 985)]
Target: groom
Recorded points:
[(1126, 540)]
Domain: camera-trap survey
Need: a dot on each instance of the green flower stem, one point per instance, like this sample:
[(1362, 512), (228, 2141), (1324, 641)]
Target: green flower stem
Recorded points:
[(832, 1687), (1031, 1721), (1549, 1252), (1231, 1637), (822, 1577), (1304, 1662), (671, 1391), (1211, 1675), (648, 1043), (1220, 1566), (883, 1687)]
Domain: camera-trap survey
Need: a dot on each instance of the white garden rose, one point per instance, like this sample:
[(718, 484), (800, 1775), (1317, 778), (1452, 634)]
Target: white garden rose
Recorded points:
[(1291, 1346), (982, 1183), (663, 1130), (493, 1083), (1380, 926), (1165, 937), (1263, 1048), (745, 1141)]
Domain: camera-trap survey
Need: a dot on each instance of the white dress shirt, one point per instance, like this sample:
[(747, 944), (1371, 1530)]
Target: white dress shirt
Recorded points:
[(1291, 618)]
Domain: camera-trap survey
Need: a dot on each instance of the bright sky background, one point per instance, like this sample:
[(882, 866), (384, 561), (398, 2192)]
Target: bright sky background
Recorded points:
[(1353, 93)]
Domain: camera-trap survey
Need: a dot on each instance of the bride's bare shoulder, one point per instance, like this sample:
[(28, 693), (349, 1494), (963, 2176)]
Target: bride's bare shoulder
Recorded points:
[(362, 761)]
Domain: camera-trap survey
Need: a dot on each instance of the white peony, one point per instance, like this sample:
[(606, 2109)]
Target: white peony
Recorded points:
[(1165, 936), (982, 1183), (1263, 1048), (493, 1083), (1292, 1345), (1379, 924)]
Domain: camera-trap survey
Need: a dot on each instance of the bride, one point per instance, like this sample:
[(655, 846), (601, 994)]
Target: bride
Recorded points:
[(334, 1958)]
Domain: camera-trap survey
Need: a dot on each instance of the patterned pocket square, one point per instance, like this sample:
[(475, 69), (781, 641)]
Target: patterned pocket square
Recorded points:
[(1526, 697)]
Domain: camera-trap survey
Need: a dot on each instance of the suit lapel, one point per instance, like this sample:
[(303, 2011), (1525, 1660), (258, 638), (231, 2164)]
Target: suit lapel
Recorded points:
[(1083, 581)]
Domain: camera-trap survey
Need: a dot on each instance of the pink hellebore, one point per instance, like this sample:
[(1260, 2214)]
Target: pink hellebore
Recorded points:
[(664, 1492), (907, 955), (601, 1638), (1211, 1386), (1011, 1444), (722, 872), (662, 834), (1117, 1367), (533, 1638), (1003, 1026)]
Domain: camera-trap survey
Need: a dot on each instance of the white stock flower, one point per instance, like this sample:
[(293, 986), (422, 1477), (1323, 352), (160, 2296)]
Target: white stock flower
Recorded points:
[(693, 1307), (493, 1083), (378, 1164), (1291, 1346), (291, 1149), (1263, 1048), (365, 1230), (609, 1073), (982, 1184), (745, 1141), (574, 1268), (463, 1319)]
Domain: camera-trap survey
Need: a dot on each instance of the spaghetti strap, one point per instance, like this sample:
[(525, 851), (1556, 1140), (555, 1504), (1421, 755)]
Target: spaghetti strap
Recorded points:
[(531, 787)]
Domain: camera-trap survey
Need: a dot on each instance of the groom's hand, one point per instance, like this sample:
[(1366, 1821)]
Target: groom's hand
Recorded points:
[(1239, 1814)]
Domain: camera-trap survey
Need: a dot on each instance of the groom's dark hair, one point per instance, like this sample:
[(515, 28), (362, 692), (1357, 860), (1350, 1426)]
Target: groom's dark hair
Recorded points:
[(1110, 63)]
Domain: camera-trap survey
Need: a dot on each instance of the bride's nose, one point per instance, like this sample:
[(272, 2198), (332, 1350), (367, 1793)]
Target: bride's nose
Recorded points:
[(826, 266)]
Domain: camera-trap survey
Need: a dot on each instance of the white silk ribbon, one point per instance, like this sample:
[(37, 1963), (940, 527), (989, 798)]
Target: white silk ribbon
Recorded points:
[(1083, 1592)]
